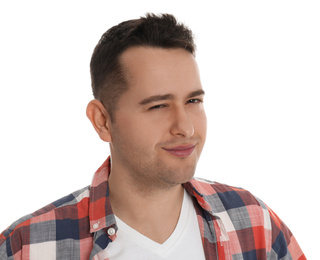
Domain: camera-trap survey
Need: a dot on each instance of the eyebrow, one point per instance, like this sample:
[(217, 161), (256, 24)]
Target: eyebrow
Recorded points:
[(169, 97), (196, 93)]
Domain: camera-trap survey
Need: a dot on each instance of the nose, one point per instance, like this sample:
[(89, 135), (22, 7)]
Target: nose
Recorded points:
[(182, 125)]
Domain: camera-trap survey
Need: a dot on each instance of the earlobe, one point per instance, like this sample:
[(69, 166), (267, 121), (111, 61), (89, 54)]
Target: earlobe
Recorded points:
[(100, 119)]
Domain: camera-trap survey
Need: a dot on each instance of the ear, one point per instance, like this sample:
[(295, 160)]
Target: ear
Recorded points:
[(100, 119)]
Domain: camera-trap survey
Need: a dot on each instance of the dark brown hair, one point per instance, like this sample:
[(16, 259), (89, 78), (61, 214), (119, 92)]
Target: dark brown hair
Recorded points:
[(107, 75)]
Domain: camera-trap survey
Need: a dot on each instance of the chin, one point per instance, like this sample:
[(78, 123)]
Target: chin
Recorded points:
[(183, 175)]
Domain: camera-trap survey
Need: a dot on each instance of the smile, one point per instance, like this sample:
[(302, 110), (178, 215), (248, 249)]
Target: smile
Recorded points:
[(181, 151)]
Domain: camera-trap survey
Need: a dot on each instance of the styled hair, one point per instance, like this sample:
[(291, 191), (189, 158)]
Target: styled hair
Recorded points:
[(108, 78)]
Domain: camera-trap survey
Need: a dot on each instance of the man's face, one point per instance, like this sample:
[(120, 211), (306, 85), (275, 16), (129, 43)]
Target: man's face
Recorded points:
[(160, 124)]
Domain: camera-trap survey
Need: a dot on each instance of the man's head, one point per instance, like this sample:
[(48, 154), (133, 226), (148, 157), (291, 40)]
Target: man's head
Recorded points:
[(108, 77), (158, 129)]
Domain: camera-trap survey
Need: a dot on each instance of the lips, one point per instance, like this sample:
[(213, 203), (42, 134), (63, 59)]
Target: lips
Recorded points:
[(181, 151)]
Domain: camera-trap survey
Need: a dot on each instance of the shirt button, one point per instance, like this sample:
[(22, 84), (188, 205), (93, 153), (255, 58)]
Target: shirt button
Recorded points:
[(95, 225), (111, 231)]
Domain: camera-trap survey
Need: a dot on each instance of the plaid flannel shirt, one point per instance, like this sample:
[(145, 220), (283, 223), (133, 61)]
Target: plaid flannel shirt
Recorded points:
[(233, 224)]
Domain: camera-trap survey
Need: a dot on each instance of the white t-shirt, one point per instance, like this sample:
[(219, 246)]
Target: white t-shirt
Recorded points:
[(184, 243)]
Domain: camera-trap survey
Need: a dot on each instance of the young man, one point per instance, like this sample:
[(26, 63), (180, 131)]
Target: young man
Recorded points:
[(143, 202)]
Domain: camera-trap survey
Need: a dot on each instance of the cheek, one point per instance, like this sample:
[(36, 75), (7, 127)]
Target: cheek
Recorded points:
[(200, 124), (139, 131)]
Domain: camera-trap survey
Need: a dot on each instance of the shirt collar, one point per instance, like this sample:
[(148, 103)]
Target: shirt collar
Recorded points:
[(100, 213)]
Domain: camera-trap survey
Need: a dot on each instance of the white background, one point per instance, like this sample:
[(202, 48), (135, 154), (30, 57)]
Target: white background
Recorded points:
[(260, 67)]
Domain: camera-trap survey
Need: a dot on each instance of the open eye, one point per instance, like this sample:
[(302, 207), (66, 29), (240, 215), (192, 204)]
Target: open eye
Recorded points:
[(194, 100)]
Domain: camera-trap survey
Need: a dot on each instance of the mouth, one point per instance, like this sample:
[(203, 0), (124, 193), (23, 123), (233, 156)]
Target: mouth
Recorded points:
[(181, 151)]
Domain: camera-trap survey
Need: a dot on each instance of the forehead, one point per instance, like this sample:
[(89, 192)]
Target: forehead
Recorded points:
[(150, 69)]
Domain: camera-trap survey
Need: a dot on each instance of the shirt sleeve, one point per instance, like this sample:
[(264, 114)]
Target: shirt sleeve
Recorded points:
[(3, 249), (283, 244)]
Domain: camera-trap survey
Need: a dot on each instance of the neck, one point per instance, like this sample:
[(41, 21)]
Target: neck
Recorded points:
[(154, 212)]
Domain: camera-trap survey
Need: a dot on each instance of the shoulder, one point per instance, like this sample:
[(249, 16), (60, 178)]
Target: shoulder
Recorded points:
[(237, 208), (240, 210), (43, 224)]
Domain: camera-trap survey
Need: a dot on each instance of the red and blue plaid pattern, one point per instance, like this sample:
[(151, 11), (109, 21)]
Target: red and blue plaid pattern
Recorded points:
[(233, 224)]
